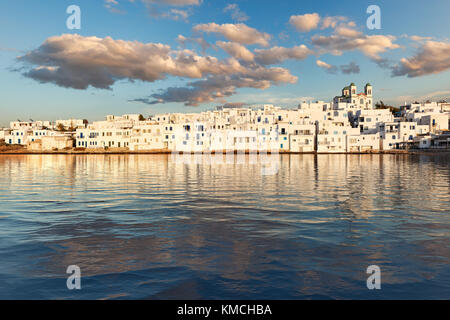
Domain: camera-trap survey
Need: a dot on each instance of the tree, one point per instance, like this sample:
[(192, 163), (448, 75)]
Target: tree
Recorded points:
[(141, 117), (381, 105), (60, 127)]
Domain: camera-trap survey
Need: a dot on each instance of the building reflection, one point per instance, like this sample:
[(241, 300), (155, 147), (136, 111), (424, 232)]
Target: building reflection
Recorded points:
[(312, 227)]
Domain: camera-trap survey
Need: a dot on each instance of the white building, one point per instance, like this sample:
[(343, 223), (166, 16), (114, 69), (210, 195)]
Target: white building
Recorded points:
[(51, 143), (352, 99), (348, 124), (71, 124)]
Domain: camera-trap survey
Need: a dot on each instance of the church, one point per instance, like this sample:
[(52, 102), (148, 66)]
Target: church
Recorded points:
[(361, 100)]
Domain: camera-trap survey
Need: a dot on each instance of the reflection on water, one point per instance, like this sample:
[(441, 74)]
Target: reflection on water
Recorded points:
[(146, 226)]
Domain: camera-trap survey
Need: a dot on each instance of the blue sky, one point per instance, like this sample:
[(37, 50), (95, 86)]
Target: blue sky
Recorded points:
[(26, 25)]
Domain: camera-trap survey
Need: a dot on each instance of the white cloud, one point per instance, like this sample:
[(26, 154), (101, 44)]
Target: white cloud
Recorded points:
[(420, 38), (332, 22), (221, 86), (305, 22), (239, 33), (236, 13), (279, 54), (78, 62), (432, 58), (197, 40), (311, 21), (347, 39), (236, 50), (350, 68), (330, 68)]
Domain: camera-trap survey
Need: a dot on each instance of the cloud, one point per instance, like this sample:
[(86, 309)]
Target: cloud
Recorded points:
[(74, 61), (158, 8), (221, 86), (350, 68), (330, 68), (236, 13), (236, 50), (432, 96), (332, 22), (311, 21), (178, 14), (197, 40), (344, 38), (305, 22), (433, 57), (419, 38), (180, 3), (266, 97), (235, 104), (239, 33), (110, 5), (279, 54), (347, 39), (173, 13), (437, 94), (9, 49)]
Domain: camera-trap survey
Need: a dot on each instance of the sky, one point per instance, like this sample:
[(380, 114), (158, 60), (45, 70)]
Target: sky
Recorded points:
[(155, 56)]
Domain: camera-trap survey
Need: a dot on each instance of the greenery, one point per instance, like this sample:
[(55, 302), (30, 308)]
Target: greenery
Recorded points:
[(141, 117), (381, 105), (60, 127)]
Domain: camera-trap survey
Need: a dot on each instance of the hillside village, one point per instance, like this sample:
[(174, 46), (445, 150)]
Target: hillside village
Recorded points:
[(350, 123)]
